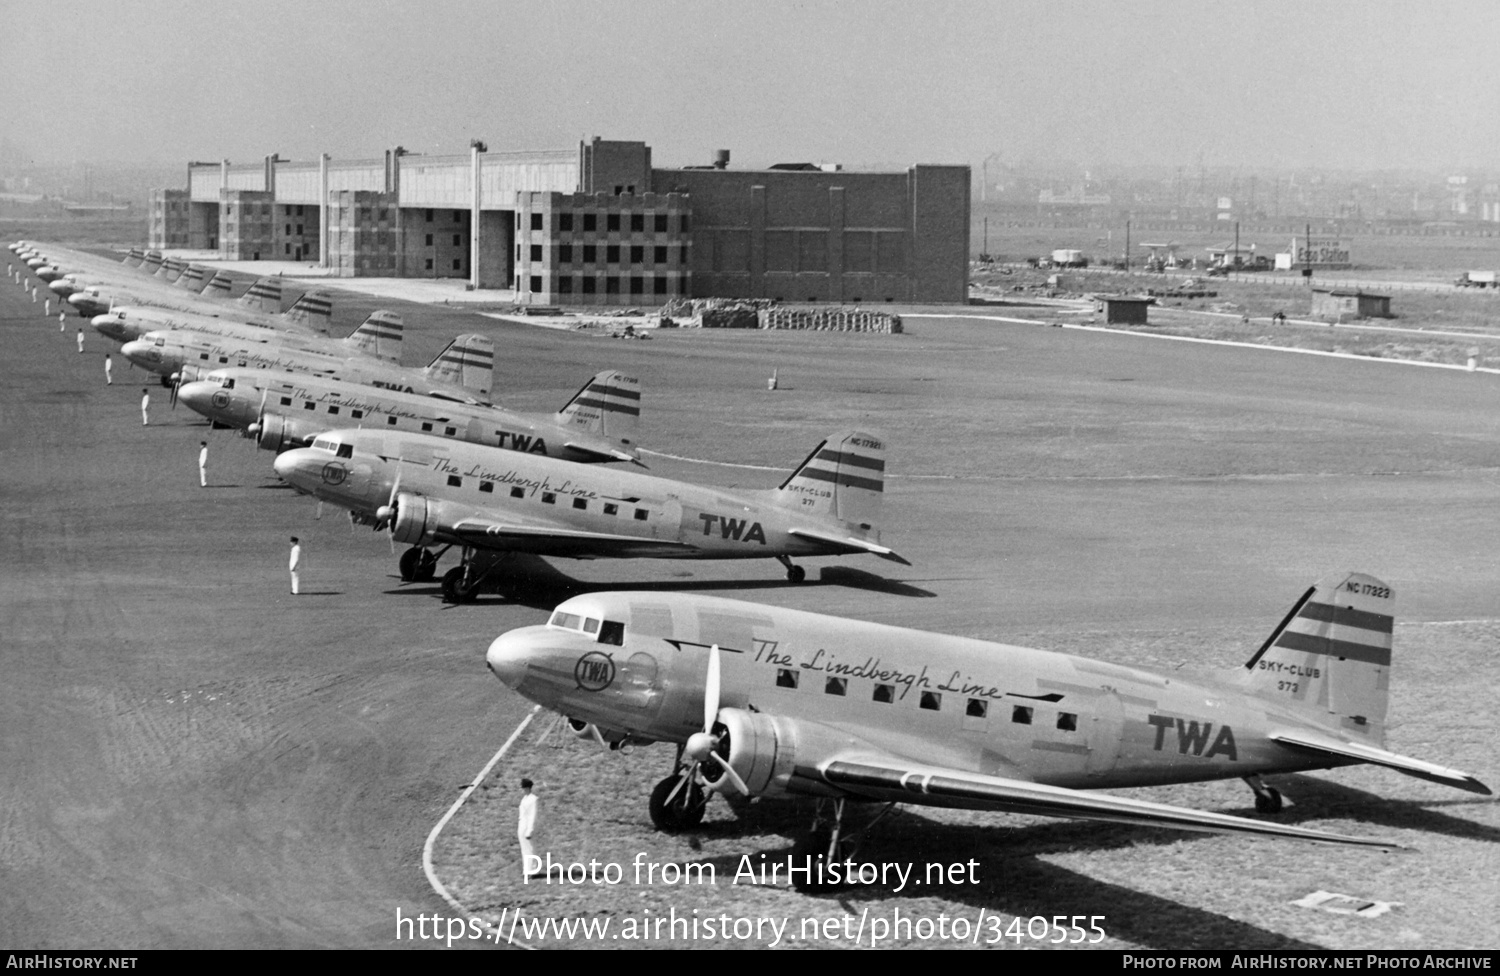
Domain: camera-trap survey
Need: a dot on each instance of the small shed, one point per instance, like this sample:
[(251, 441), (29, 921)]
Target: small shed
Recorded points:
[(1125, 309), (1332, 304)]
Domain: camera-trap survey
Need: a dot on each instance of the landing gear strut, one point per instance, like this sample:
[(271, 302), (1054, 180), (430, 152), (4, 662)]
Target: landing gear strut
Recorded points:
[(794, 573), (1267, 798), (829, 842)]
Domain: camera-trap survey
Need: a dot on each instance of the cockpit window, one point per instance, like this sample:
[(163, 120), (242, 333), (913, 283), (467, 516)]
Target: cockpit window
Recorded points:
[(325, 443), (346, 450), (567, 621), (613, 632), (606, 631), (229, 382)]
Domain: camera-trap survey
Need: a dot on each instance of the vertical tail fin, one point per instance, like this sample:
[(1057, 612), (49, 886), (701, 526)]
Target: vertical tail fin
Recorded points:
[(263, 296), (468, 361), (1330, 657), (843, 478), (379, 336), (220, 286), (314, 310), (152, 262), (134, 258), (609, 405), (171, 269), (194, 279)]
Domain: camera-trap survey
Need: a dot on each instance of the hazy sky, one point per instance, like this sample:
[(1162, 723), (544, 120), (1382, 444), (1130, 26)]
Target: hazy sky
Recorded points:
[(1362, 85)]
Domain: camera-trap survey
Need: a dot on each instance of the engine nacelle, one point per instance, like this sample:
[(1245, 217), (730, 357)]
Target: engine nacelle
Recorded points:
[(416, 519), (275, 434), (760, 748)]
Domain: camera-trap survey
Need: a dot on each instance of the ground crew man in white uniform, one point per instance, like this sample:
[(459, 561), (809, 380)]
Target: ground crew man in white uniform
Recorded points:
[(531, 865), (80, 339), (203, 464), (145, 405), (109, 378), (294, 562)]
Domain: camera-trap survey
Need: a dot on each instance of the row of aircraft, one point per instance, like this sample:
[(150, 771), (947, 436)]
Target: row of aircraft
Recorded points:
[(765, 701)]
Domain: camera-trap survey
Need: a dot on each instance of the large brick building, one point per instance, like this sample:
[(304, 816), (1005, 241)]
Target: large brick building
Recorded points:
[(599, 225)]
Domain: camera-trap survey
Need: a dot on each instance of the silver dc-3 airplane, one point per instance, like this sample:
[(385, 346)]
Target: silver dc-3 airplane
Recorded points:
[(256, 316), (766, 701), (492, 503), (282, 411), (463, 371)]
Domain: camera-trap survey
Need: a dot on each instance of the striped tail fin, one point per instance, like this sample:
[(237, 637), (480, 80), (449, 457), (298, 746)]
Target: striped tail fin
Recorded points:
[(315, 311), (134, 258), (263, 296), (151, 263), (468, 361), (171, 269), (220, 286), (843, 478), (1330, 658), (608, 405), (194, 279), (379, 336)]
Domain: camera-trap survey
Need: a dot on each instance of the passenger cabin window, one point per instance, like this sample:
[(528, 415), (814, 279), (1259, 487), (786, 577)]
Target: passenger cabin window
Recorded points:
[(454, 481), (932, 700), (580, 503), (357, 414), (640, 514), (786, 678), (977, 708), (518, 493), (884, 694), (391, 420), (836, 686), (610, 508), (1021, 714), (549, 498), (487, 486), (1067, 721)]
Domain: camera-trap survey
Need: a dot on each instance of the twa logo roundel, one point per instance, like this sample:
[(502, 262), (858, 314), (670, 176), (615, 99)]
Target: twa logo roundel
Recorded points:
[(594, 671), (334, 474), (220, 399)]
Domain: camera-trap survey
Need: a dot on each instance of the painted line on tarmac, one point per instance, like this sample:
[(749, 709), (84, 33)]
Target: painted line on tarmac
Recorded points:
[(427, 867), (1211, 342)]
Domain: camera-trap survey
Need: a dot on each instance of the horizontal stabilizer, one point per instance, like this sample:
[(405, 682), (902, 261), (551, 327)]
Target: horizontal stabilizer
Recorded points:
[(603, 454), (893, 780), (1313, 742), (848, 544)]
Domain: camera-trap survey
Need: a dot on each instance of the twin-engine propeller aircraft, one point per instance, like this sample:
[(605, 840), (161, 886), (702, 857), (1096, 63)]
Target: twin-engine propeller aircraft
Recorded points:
[(766, 701), (255, 315), (463, 371), (285, 410), (494, 503)]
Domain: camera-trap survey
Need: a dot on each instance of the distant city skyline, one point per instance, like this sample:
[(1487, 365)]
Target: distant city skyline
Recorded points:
[(1375, 85)]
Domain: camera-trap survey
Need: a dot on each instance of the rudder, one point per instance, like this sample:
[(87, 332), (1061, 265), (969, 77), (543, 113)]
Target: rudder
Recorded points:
[(263, 296), (843, 478), (313, 310), (467, 361), (379, 336), (608, 405), (1331, 656)]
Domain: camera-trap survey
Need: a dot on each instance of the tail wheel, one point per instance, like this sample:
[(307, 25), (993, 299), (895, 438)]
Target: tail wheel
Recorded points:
[(674, 809)]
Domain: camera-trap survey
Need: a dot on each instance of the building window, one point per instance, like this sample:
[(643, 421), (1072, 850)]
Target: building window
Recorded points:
[(565, 285), (590, 253), (590, 285), (637, 285), (429, 216), (637, 254), (659, 254), (565, 254), (611, 285), (660, 284), (565, 221), (289, 230), (660, 224), (612, 254), (590, 222), (536, 253), (637, 222), (612, 222), (458, 215), (456, 264), (536, 221), (536, 283), (429, 240), (786, 678), (457, 239), (428, 264)]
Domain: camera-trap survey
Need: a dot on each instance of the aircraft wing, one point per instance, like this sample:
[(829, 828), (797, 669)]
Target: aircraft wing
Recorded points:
[(607, 455), (489, 533), (892, 779), (1333, 746), (848, 544)]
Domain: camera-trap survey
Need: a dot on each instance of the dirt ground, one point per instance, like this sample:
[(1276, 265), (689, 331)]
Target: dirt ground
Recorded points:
[(189, 757)]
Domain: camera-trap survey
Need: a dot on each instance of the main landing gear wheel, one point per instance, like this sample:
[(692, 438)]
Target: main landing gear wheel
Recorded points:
[(674, 809), (1267, 798), (457, 588), (418, 565), (794, 573)]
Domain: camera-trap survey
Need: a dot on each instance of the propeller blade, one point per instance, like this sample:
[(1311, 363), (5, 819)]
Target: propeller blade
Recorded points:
[(711, 690), (176, 385), (733, 776)]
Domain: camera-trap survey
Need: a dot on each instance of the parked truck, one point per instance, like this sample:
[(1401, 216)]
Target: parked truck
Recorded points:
[(1067, 257), (1478, 279)]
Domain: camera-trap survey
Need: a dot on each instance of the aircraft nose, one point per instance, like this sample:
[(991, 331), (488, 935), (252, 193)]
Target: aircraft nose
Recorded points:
[(138, 352), (508, 655), (293, 466), (63, 287), (198, 395)]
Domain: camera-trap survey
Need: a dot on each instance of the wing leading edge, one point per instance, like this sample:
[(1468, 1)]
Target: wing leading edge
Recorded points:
[(880, 778)]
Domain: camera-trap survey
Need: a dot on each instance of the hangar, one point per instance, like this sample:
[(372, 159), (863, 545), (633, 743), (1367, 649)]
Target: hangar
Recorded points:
[(598, 225)]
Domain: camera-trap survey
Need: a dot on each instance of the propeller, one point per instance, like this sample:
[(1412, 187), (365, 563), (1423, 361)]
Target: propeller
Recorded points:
[(704, 746), (387, 512), (260, 416), (176, 385)]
